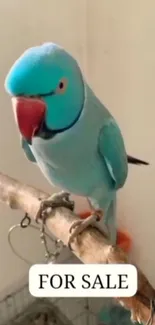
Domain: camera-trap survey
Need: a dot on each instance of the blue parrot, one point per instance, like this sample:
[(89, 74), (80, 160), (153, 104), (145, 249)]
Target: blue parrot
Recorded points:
[(67, 131)]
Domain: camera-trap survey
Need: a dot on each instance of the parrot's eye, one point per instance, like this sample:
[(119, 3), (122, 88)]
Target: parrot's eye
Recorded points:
[(62, 86)]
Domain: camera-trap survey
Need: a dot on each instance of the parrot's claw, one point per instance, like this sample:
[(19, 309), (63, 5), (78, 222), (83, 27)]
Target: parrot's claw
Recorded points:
[(57, 200), (79, 225)]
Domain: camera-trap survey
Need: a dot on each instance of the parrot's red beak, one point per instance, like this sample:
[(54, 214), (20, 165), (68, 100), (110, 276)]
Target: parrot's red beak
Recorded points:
[(29, 114)]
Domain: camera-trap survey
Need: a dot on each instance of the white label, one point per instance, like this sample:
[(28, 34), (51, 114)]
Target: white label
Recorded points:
[(83, 280)]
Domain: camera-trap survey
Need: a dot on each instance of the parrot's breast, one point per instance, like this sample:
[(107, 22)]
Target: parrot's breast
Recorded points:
[(71, 160)]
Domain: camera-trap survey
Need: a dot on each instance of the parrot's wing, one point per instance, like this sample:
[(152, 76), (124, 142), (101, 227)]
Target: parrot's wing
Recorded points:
[(27, 150), (112, 149)]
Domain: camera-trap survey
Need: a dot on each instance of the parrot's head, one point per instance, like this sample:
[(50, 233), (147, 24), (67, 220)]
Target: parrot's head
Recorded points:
[(47, 91)]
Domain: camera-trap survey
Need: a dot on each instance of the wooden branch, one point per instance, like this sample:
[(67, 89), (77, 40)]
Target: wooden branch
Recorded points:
[(92, 246)]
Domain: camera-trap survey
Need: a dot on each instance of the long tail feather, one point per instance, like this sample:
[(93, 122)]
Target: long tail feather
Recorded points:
[(135, 161)]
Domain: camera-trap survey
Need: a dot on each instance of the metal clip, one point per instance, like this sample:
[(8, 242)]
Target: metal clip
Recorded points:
[(27, 219)]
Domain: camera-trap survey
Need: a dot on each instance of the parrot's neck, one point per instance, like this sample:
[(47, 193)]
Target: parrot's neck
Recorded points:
[(86, 119)]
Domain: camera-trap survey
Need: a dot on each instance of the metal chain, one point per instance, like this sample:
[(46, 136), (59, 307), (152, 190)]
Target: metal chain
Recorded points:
[(48, 254), (44, 241), (26, 222)]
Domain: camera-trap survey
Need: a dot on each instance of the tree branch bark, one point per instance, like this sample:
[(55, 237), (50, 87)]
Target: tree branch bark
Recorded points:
[(91, 247)]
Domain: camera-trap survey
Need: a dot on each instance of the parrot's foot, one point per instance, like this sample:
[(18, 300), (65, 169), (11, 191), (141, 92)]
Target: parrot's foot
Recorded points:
[(57, 200), (78, 226)]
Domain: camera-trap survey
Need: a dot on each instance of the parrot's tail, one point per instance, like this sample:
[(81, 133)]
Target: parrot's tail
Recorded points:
[(135, 161), (123, 238)]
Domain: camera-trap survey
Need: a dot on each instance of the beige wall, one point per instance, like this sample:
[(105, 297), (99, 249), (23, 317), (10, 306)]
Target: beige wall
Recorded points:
[(115, 44)]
